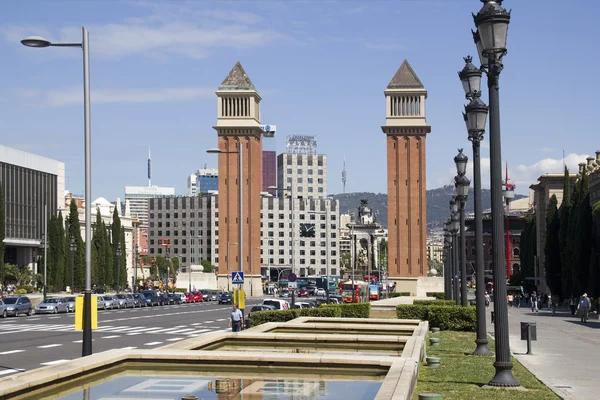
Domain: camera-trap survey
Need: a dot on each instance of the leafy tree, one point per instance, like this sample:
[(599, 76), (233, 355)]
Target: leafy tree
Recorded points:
[(383, 254), (107, 254), (345, 261), (175, 262), (56, 246), (208, 267), (552, 248), (75, 232), (161, 264), (563, 234), (11, 273), (2, 232)]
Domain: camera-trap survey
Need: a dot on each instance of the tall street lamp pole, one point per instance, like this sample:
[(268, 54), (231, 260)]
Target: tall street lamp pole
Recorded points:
[(241, 203), (45, 240), (462, 189), (475, 117), (72, 249), (447, 264), (492, 27), (37, 41), (454, 222)]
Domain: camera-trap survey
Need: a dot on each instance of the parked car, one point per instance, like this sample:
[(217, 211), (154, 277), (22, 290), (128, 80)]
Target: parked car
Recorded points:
[(174, 298), (277, 303), (70, 303), (311, 290), (109, 302), (124, 300), (260, 307), (320, 292), (212, 296), (52, 305), (151, 297), (3, 311), (198, 297), (284, 293), (205, 293), (189, 297), (17, 305), (100, 303), (139, 300), (182, 297), (225, 298), (164, 299), (302, 292)]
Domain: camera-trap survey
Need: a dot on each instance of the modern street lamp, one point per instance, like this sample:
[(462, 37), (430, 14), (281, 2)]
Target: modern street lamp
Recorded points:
[(119, 254), (462, 191), (72, 249), (241, 202), (492, 27), (475, 117), (292, 211), (37, 41)]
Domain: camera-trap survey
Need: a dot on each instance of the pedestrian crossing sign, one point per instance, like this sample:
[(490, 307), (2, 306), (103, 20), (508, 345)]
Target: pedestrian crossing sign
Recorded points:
[(237, 278)]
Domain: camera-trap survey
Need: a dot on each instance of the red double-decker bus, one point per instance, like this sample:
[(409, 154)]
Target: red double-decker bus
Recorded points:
[(357, 292)]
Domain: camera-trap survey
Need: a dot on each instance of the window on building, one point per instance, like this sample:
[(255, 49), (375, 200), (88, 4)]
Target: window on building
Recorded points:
[(299, 171), (302, 243), (289, 170), (313, 261), (302, 252), (333, 217), (299, 180), (320, 190), (313, 244), (320, 172), (289, 180), (281, 261), (176, 214), (302, 261), (270, 242), (270, 215), (310, 189), (270, 225), (323, 235)]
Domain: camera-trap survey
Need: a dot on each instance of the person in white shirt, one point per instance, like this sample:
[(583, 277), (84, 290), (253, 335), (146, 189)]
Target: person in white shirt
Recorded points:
[(235, 320)]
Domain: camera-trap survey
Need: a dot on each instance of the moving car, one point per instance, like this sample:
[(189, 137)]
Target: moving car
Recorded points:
[(17, 305), (320, 292), (302, 292), (70, 303), (52, 305), (225, 298), (284, 293)]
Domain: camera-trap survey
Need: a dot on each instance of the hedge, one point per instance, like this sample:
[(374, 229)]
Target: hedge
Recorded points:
[(453, 318), (435, 302), (352, 310), (28, 289), (330, 312), (437, 295), (398, 294), (262, 317), (180, 290)]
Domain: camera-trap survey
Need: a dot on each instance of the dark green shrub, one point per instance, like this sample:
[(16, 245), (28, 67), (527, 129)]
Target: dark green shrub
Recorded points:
[(437, 295), (398, 294), (331, 312), (455, 318), (435, 302), (180, 290), (29, 289), (410, 311), (352, 310), (262, 317)]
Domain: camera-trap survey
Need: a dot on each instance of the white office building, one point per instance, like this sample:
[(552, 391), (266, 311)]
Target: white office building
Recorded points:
[(138, 197), (204, 180)]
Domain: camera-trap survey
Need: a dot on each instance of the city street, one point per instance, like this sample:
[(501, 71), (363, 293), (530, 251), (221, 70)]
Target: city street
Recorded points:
[(39, 340)]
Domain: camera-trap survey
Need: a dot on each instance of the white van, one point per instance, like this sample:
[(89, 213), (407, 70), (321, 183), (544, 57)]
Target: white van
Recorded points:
[(277, 303)]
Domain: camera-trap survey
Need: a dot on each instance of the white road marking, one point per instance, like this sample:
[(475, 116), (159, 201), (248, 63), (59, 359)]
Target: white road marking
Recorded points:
[(174, 339), (152, 343), (11, 352), (55, 362), (185, 330), (208, 322), (111, 337), (33, 319), (222, 319), (197, 323), (10, 371), (128, 348), (53, 317), (47, 346), (180, 326), (134, 333)]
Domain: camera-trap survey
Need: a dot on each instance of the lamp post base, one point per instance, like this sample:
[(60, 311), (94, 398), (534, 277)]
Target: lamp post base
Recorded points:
[(482, 348), (504, 376)]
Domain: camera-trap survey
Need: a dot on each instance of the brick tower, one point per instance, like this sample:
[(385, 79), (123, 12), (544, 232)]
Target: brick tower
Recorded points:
[(238, 126), (406, 129)]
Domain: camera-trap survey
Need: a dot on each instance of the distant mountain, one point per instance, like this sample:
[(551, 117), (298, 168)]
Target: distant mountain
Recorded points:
[(437, 204)]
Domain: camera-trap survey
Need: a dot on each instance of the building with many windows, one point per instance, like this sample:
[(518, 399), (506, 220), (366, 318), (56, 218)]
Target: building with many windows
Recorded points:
[(203, 180), (191, 224), (302, 169), (138, 197), (30, 184)]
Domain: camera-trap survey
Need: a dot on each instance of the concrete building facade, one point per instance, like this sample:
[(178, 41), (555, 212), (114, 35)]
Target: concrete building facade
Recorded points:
[(269, 159), (406, 130), (239, 135), (30, 183), (138, 197), (305, 173)]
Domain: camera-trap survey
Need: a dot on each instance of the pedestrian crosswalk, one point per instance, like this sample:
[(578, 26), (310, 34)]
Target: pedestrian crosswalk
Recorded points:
[(190, 331)]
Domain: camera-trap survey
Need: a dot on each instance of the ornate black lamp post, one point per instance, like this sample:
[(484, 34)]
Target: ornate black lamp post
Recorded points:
[(72, 249), (447, 258), (118, 253), (492, 27), (475, 116), (462, 191), (454, 223)]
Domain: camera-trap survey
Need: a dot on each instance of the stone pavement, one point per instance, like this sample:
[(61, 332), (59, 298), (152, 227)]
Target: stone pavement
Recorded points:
[(565, 355)]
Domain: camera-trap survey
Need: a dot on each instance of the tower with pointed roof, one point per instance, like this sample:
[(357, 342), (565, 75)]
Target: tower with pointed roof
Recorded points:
[(406, 129), (238, 126)]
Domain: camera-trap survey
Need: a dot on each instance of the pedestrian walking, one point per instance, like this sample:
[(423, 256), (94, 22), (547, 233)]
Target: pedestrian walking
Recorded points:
[(584, 307), (549, 301), (235, 320), (534, 302), (487, 299), (510, 300), (572, 305)]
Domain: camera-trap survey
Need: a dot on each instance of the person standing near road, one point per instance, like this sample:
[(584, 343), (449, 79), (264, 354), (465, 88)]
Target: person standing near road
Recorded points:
[(584, 307), (235, 320)]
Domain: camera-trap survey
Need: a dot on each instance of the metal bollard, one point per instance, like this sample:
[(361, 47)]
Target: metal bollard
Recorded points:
[(528, 333)]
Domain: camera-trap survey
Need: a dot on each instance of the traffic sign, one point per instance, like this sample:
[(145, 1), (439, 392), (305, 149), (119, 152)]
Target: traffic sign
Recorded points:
[(292, 277), (292, 285), (237, 278)]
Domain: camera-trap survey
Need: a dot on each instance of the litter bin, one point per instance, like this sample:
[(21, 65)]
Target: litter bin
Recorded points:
[(493, 317), (528, 327)]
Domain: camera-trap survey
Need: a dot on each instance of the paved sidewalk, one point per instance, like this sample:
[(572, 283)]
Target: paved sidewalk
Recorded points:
[(565, 355)]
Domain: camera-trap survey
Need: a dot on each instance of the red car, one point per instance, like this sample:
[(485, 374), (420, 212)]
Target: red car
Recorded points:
[(198, 298), (302, 292), (189, 298)]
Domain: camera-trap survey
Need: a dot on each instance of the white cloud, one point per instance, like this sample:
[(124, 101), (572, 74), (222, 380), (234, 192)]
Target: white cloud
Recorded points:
[(67, 97), (522, 175), (187, 29)]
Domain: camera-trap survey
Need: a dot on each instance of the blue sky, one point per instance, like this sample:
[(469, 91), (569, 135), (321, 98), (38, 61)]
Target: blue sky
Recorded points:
[(321, 68)]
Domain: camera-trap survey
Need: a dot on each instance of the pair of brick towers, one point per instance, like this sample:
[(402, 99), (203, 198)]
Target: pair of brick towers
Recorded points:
[(238, 129)]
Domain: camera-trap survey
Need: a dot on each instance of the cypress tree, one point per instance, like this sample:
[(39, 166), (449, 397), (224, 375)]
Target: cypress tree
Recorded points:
[(584, 233), (116, 240), (52, 254), (551, 248), (571, 245), (2, 233), (565, 256), (97, 251), (595, 256), (75, 232), (123, 261), (107, 257)]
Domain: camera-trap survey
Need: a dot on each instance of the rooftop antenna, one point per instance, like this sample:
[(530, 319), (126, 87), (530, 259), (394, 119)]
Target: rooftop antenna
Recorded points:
[(344, 175), (149, 168)]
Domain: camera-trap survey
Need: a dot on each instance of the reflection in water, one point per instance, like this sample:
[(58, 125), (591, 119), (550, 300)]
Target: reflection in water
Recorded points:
[(220, 388)]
